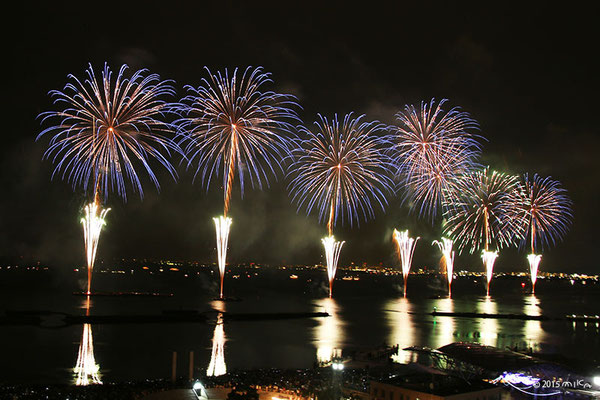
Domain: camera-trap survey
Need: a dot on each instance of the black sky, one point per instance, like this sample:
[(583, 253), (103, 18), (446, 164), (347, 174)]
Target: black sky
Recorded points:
[(527, 73)]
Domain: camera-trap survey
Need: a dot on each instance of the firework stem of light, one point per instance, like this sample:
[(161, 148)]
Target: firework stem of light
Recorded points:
[(104, 128), (489, 257), (87, 372), (222, 225), (340, 170), (233, 126), (92, 226), (445, 247), (406, 247), (481, 215), (217, 365), (332, 254), (230, 173), (534, 262), (544, 209)]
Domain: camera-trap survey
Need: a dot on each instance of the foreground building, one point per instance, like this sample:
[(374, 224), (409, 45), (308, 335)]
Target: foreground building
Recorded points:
[(432, 387)]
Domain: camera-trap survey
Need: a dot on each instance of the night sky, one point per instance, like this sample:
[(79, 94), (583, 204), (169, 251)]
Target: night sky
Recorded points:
[(527, 73)]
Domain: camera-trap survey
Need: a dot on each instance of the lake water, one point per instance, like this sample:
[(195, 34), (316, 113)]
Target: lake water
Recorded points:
[(364, 313)]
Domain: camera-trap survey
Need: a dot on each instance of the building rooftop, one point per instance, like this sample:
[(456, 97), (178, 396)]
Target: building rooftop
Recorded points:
[(437, 384), (489, 357)]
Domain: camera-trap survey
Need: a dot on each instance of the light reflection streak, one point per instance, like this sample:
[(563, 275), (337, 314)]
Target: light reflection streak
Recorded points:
[(402, 329), (488, 327), (532, 329), (328, 336), (217, 366), (87, 372), (443, 327)]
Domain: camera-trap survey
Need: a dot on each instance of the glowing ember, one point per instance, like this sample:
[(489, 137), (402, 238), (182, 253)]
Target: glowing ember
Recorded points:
[(406, 247), (92, 225), (222, 225), (332, 254)]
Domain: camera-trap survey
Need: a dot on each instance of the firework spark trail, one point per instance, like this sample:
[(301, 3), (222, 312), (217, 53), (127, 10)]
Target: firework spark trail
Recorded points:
[(233, 126), (86, 370), (340, 169), (489, 257), (480, 215), (222, 226), (92, 226), (543, 208), (434, 148), (445, 247), (217, 365), (534, 262), (332, 254), (230, 173), (406, 248)]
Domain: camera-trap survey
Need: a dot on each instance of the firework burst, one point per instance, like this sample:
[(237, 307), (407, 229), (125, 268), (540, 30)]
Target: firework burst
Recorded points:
[(106, 128), (233, 126), (543, 208), (479, 217), (434, 148), (342, 171)]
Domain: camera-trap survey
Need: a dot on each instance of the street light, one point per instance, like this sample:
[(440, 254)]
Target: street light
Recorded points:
[(338, 366), (199, 390)]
